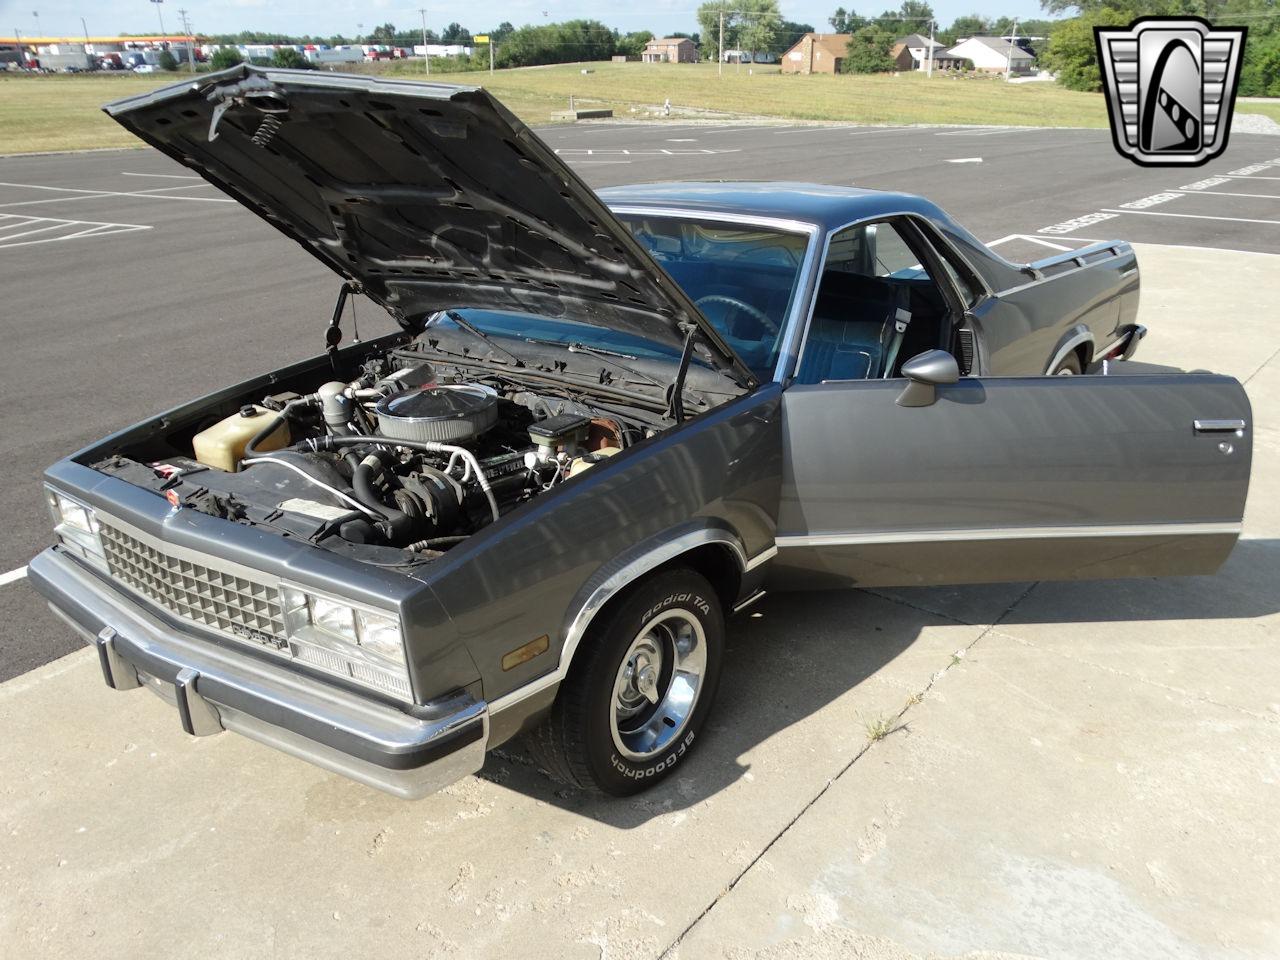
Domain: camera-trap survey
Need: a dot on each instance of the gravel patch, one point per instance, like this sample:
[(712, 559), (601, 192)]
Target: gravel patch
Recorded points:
[(1254, 123)]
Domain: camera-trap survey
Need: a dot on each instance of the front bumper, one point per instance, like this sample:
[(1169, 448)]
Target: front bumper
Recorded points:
[(216, 689)]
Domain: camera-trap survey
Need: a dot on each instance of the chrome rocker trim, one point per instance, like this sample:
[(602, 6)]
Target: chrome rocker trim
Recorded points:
[(215, 688)]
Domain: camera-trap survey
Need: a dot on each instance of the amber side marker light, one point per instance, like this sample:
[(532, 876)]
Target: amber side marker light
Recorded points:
[(526, 653)]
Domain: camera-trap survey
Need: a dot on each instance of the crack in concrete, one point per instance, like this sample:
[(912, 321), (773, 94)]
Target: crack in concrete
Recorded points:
[(897, 721), (1264, 365)]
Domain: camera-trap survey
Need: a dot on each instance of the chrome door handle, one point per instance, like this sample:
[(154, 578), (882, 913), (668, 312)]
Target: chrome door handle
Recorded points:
[(1219, 426)]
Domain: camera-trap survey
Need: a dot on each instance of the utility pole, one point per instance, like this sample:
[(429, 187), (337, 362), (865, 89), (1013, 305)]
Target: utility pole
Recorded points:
[(426, 54), (491, 45), (932, 24), (720, 56), (1008, 63), (191, 47), (160, 13)]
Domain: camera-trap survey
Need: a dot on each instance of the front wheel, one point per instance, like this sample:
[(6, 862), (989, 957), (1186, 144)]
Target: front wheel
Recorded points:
[(1070, 366), (639, 692)]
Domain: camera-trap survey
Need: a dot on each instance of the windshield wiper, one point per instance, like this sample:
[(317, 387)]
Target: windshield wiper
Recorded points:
[(600, 353), (466, 325)]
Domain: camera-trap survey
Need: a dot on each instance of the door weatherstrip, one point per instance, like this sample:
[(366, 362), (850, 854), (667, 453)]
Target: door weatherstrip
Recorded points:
[(1008, 533)]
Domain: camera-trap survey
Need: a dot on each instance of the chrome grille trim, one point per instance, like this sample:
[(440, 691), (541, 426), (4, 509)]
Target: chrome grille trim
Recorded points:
[(229, 603)]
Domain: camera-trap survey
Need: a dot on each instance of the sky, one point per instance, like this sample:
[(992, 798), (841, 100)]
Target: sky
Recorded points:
[(327, 17)]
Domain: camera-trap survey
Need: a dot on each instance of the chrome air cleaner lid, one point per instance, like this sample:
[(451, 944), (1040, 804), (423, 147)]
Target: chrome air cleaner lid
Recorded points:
[(441, 414)]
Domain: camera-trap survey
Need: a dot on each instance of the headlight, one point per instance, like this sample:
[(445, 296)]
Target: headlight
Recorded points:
[(77, 528), (349, 641)]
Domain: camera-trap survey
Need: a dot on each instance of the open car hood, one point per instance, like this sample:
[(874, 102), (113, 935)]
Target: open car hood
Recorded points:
[(427, 196)]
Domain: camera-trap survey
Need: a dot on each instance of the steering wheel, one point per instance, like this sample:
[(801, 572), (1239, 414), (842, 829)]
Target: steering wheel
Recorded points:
[(738, 304)]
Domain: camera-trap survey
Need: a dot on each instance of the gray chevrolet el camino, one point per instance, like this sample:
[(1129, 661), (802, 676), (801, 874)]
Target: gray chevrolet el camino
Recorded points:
[(608, 422)]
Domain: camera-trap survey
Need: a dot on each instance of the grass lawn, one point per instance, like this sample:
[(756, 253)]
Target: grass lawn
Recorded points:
[(63, 112), (1271, 110), (763, 91)]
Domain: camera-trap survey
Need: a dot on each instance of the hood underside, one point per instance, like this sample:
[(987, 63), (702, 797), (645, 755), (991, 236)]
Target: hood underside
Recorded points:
[(427, 196)]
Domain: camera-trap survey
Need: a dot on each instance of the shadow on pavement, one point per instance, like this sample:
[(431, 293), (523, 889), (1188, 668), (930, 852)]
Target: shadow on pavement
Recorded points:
[(791, 654)]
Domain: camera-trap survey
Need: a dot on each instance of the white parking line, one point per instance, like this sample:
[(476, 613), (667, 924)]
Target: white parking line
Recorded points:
[(73, 229), (1023, 236), (156, 193), (1252, 196), (1235, 176), (13, 576), (1189, 216), (981, 132), (167, 176)]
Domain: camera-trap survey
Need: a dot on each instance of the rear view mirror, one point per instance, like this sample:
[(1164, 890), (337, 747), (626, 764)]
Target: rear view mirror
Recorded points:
[(924, 373)]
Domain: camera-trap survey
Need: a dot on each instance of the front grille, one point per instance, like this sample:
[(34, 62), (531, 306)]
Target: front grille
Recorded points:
[(225, 602)]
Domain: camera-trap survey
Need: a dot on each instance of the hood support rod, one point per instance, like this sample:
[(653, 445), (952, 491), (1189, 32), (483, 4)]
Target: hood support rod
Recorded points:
[(675, 403), (333, 333)]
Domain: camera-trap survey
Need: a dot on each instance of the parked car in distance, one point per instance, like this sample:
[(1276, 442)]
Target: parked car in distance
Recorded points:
[(608, 422)]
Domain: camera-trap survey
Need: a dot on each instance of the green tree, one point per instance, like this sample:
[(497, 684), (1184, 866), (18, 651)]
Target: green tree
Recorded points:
[(167, 61), (633, 44), (501, 31), (455, 33), (789, 34), (709, 23), (1072, 53), (291, 59), (844, 21), (748, 25), (225, 57), (1260, 75), (868, 51)]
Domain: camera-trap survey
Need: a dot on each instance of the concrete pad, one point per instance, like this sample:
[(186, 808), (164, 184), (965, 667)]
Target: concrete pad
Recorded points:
[(122, 836), (1030, 807), (1208, 309)]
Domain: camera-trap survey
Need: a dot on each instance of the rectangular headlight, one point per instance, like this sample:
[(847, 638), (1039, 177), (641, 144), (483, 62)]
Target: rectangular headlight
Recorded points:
[(352, 642), (77, 528)]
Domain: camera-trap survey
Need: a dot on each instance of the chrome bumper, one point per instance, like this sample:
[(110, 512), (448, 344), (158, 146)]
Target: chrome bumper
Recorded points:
[(216, 689)]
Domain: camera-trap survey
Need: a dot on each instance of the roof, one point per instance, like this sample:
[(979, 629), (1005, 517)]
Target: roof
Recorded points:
[(667, 41), (917, 40), (824, 205), (1001, 46), (836, 44)]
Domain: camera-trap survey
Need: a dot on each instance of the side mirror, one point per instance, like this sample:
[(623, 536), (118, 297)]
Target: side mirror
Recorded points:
[(924, 373)]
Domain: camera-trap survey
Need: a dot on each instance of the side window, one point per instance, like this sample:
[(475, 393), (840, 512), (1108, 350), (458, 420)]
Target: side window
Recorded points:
[(876, 306), (969, 288)]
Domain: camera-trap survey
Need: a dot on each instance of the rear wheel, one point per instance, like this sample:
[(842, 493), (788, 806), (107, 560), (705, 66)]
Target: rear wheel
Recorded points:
[(640, 690), (1070, 366)]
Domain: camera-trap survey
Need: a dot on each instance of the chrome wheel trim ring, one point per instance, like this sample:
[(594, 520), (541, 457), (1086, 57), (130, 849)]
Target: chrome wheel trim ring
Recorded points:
[(657, 686)]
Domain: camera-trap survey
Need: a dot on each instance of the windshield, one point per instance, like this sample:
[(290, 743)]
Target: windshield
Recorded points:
[(741, 278)]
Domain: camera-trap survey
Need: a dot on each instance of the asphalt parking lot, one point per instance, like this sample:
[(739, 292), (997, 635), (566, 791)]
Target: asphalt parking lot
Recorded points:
[(1077, 770)]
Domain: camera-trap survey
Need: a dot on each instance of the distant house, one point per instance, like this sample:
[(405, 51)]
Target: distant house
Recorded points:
[(992, 55), (670, 50), (816, 53), (912, 52)]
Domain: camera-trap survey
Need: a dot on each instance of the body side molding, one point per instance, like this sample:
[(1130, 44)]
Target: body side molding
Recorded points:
[(617, 576)]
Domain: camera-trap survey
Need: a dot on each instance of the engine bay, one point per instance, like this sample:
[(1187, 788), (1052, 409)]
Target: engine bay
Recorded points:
[(416, 449)]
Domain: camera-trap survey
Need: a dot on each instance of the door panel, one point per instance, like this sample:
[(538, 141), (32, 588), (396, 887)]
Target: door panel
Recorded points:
[(1034, 478)]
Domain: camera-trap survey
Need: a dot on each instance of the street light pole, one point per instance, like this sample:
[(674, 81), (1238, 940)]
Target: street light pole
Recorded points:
[(932, 23), (191, 46), (1008, 63), (720, 55), (426, 54), (160, 14)]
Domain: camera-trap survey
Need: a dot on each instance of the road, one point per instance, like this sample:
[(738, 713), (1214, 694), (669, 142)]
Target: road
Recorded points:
[(1074, 770)]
